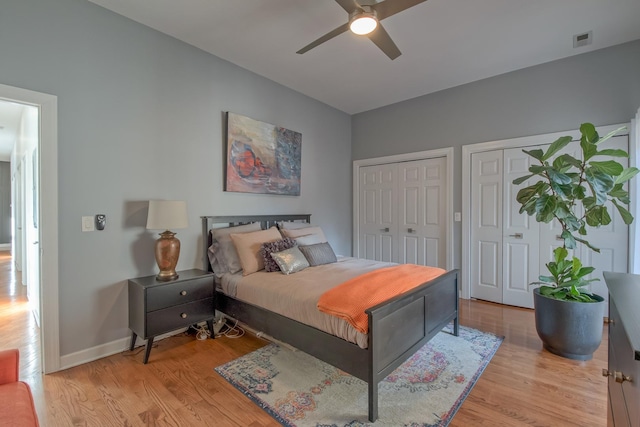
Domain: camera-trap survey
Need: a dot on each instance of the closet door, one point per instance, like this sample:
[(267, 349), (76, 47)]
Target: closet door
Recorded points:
[(521, 242), (378, 212), (486, 225), (422, 203)]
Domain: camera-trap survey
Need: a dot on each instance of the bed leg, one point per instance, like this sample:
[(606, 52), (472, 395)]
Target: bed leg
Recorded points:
[(456, 327), (373, 401)]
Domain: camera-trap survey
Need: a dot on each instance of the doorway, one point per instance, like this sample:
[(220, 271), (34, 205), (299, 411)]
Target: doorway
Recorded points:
[(35, 211)]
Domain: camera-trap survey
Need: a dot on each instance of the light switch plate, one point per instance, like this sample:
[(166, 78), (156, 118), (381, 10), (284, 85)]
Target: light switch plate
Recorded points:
[(88, 223), (457, 217)]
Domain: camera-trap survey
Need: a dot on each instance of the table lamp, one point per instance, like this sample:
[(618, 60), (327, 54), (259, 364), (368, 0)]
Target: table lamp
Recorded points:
[(167, 215)]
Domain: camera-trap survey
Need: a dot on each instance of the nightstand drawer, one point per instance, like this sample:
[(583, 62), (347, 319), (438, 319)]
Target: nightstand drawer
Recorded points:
[(179, 316), (175, 293)]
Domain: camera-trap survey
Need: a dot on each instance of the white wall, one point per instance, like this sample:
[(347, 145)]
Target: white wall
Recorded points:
[(141, 117)]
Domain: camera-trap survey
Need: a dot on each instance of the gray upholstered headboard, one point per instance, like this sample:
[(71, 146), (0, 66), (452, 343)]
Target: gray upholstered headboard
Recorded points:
[(233, 220)]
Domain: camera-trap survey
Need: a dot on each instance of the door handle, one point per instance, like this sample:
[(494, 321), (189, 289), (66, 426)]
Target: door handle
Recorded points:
[(36, 242), (517, 235), (558, 237), (411, 230), (386, 229)]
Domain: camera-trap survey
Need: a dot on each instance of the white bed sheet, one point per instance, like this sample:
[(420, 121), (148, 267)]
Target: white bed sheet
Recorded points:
[(296, 295)]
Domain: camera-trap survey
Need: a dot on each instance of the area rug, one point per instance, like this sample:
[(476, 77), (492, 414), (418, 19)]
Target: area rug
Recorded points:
[(427, 390)]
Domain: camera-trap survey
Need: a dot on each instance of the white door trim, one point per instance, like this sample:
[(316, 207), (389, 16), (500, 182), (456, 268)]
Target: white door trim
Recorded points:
[(468, 150), (398, 158), (48, 206)]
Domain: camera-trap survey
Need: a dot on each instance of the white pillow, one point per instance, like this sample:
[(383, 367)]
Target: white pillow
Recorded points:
[(294, 234), (292, 225), (224, 251), (248, 247), (311, 239)]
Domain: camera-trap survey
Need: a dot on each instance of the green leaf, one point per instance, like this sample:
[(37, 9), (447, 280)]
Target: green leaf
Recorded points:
[(587, 244), (560, 254), (522, 179), (624, 213), (558, 177), (610, 167), (589, 133), (611, 134), (545, 208), (536, 154), (612, 153), (597, 216), (568, 158), (556, 146), (525, 194), (588, 149), (538, 169), (626, 175), (600, 183)]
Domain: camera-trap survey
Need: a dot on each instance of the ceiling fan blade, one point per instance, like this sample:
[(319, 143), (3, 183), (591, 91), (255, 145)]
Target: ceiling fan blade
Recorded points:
[(389, 8), (382, 39), (341, 29), (348, 5)]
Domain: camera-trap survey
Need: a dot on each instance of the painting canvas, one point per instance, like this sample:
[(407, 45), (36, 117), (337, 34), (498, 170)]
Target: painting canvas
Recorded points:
[(261, 157)]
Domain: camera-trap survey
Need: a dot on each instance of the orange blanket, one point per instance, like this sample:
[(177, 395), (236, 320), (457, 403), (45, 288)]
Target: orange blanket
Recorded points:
[(350, 299)]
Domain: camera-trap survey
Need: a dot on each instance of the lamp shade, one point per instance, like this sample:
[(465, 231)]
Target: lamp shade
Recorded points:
[(167, 215)]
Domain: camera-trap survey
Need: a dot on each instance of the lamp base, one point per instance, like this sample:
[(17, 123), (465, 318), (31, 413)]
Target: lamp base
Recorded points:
[(167, 254)]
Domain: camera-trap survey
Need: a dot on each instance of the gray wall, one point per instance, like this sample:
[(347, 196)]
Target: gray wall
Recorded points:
[(602, 87), (140, 116)]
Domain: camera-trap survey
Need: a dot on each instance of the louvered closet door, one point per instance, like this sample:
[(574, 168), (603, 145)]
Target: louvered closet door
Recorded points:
[(486, 225), (422, 228), (378, 212)]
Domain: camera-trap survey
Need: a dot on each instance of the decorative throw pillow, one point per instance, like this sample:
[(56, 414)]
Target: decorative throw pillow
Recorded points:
[(311, 239), (270, 264), (225, 253), (305, 232), (290, 260), (319, 254), (248, 246)]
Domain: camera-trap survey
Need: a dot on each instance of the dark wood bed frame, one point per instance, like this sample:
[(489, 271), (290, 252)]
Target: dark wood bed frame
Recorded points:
[(397, 328)]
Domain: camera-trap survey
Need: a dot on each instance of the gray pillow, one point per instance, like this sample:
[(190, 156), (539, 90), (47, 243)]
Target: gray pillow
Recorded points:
[(318, 254), (224, 251), (290, 260)]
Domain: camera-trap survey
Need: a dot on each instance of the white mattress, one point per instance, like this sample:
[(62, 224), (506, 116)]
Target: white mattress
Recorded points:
[(296, 295)]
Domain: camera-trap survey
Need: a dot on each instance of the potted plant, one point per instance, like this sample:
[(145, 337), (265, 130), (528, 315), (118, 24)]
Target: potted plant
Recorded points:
[(577, 192)]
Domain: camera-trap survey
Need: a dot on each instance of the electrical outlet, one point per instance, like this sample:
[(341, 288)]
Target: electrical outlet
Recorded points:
[(88, 223)]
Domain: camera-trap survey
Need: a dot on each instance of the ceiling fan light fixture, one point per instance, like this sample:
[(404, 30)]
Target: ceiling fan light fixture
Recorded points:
[(363, 21)]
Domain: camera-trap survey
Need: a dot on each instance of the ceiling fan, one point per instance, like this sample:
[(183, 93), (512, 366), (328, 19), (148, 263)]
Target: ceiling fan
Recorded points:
[(364, 19)]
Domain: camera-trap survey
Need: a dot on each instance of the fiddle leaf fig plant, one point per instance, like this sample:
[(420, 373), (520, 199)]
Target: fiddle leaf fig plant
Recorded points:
[(577, 192)]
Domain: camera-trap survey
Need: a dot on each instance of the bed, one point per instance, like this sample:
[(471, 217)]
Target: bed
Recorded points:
[(397, 328)]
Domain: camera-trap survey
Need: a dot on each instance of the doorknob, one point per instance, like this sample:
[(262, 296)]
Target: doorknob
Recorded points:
[(517, 235), (386, 229)]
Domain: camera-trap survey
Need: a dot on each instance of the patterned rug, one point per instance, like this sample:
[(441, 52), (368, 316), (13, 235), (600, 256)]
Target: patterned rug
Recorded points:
[(427, 390)]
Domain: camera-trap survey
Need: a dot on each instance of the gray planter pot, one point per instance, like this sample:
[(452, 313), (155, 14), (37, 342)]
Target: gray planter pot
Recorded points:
[(569, 329)]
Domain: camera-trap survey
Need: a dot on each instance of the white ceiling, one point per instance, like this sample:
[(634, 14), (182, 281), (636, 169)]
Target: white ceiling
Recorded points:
[(444, 43)]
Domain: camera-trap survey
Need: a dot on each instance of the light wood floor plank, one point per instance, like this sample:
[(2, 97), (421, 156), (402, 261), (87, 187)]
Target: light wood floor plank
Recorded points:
[(523, 385)]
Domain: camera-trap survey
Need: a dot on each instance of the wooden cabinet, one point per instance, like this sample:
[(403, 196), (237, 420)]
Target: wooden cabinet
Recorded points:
[(624, 349), (158, 307)]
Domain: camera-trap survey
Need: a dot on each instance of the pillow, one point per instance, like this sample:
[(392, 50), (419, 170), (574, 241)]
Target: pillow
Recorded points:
[(292, 225), (290, 260), (248, 246), (319, 254), (311, 239), (304, 232), (270, 264), (223, 249)]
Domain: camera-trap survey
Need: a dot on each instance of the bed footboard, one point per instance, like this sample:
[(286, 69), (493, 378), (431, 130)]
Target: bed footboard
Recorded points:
[(401, 326)]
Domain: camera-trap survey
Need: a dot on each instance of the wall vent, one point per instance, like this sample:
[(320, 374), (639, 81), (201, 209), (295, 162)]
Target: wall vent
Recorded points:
[(583, 39)]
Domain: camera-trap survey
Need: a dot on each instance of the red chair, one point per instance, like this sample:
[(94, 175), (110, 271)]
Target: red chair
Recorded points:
[(16, 401)]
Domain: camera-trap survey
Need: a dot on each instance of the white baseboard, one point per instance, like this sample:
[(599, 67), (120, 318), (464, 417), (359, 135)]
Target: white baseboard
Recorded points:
[(104, 350), (5, 246)]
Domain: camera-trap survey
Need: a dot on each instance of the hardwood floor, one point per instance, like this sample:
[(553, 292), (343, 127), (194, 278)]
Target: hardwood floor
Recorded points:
[(522, 386)]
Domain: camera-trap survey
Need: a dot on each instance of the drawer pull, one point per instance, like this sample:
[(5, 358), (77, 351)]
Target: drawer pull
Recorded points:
[(618, 376), (183, 293), (183, 315)]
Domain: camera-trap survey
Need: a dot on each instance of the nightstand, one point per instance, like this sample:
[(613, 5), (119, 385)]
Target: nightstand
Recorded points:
[(158, 307)]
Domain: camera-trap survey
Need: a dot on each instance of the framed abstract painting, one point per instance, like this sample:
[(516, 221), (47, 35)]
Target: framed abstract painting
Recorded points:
[(261, 157)]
